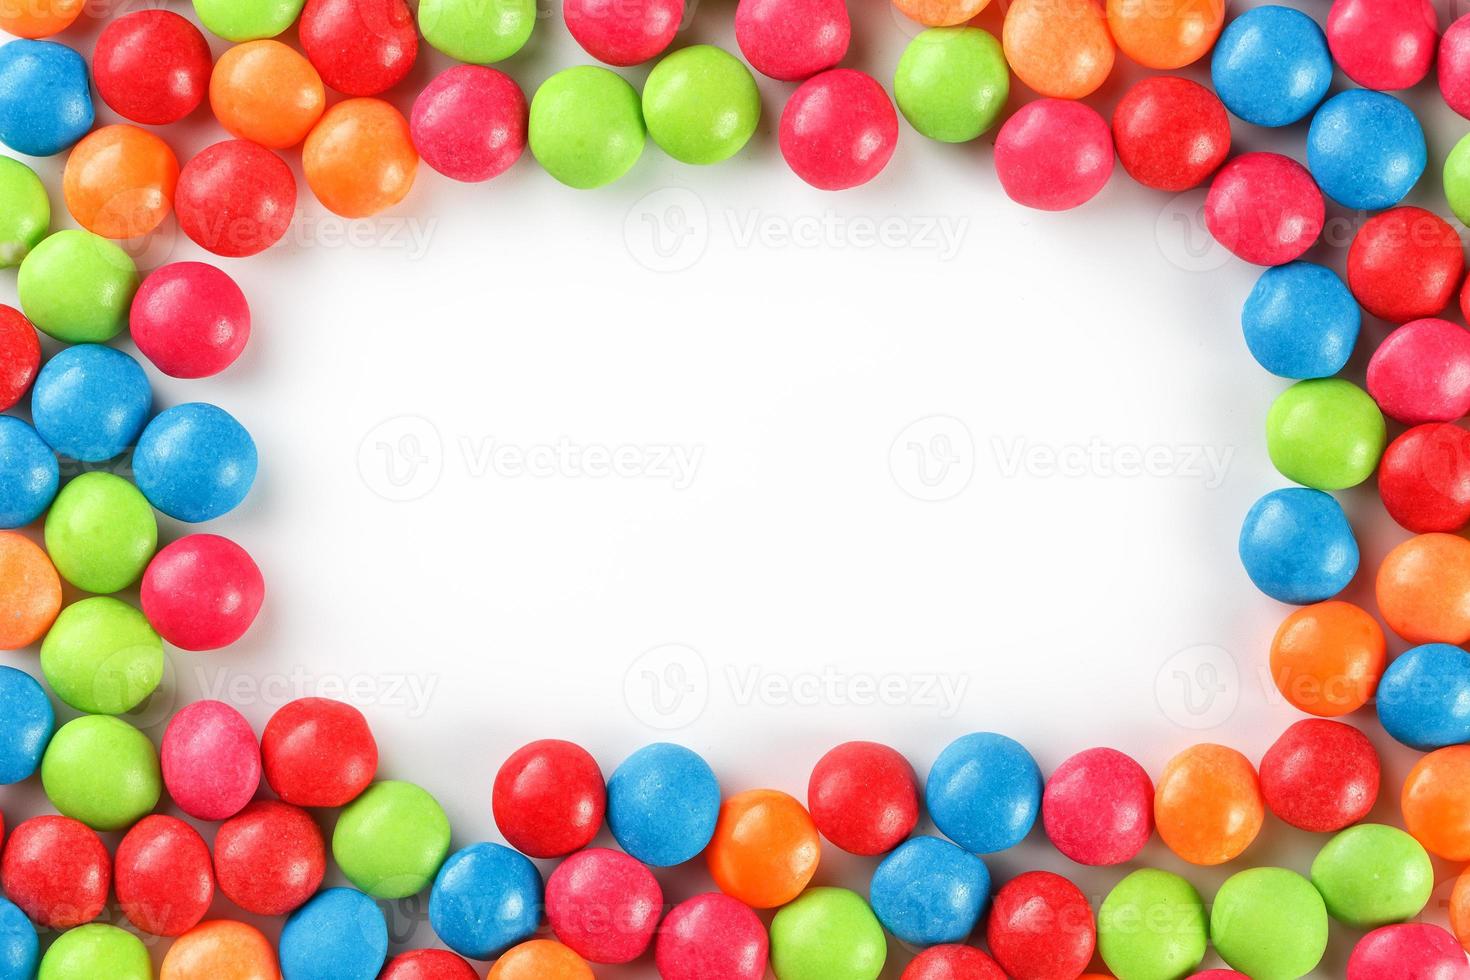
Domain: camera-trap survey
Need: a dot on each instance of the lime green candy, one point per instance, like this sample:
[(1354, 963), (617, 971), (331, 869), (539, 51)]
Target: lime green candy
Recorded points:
[(1457, 180), (1371, 875), (1270, 924), (97, 950), (952, 83), (391, 840), (1152, 927), (101, 533), (586, 127), (1326, 433), (247, 20), (102, 771), (102, 657), (701, 104), (479, 32), (827, 934), (77, 287), (25, 211)]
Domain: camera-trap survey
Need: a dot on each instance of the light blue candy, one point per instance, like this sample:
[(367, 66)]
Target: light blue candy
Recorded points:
[(1271, 66), (662, 804), (20, 947), (984, 792), (1366, 149), (486, 899), (1424, 697), (1300, 321), (90, 402), (928, 891), (45, 98), (29, 473), (339, 935), (1298, 547), (194, 462), (26, 725)]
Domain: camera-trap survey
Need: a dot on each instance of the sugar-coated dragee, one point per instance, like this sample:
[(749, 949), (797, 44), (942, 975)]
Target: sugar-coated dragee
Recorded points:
[(586, 126), (360, 159), (598, 886), (266, 92), (164, 876), (928, 891), (45, 98), (1269, 923), (486, 899), (25, 216), (101, 533), (952, 83), (711, 935), (269, 858), (190, 319), (1171, 133), (152, 66), (1054, 154), (469, 123), (620, 33), (235, 198), (391, 840), (792, 40), (194, 462), (102, 771), (202, 592), (480, 31), (1300, 321), (701, 104), (838, 130), (26, 723), (1424, 478), (102, 657), (1405, 264), (1320, 775), (210, 760), (864, 797), (359, 47), (662, 805), (1040, 925), (57, 871), (339, 935), (1298, 547), (221, 949), (1097, 807)]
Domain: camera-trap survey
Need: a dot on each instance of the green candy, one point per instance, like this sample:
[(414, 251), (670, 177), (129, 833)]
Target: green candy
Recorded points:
[(102, 771), (701, 104), (77, 287), (25, 211), (952, 83), (1371, 875), (1152, 927), (1325, 433), (586, 127), (827, 934), (391, 840), (1457, 179), (101, 533), (1270, 924), (93, 951), (102, 657), (479, 32), (247, 20)]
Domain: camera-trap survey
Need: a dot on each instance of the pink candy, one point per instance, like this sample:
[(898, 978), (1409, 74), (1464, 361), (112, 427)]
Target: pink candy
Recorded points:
[(1383, 44), (1408, 952), (202, 592), (190, 319), (211, 760), (604, 905), (470, 123), (1454, 66), (792, 40), (1421, 373), (711, 936), (839, 130), (1098, 808), (1265, 208), (1054, 154), (623, 32)]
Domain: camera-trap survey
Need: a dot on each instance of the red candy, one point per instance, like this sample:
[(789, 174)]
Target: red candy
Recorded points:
[(164, 879), (1041, 928), (1424, 478), (152, 67), (1054, 154), (1265, 208), (1416, 951), (838, 130), (202, 592), (470, 123), (1171, 133), (549, 799), (270, 858), (792, 40), (864, 798), (1383, 44), (1454, 66), (235, 198), (623, 32), (20, 356), (318, 752), (1421, 373), (428, 964), (190, 319), (952, 963), (57, 870), (1320, 776), (1405, 264), (711, 935), (359, 47), (210, 760), (1098, 807), (604, 905)]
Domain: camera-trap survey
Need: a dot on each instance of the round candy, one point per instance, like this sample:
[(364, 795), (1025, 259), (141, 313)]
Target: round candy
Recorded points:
[(27, 725), (96, 950), (1098, 808), (827, 934), (1265, 208), (485, 899), (1059, 48), (549, 799), (247, 20), (1424, 589), (838, 130), (221, 950), (662, 804), (711, 935), (1421, 373), (45, 97), (792, 40), (165, 880), (1457, 180), (76, 287), (540, 959), (952, 963), (202, 592), (211, 761), (1269, 923), (476, 31), (266, 92), (152, 66), (29, 473), (1054, 154), (40, 18), (25, 216), (1165, 35), (101, 532), (1171, 133), (586, 126), (340, 934), (102, 657), (603, 905), (1300, 321), (391, 840), (1041, 926), (1454, 66), (701, 104), (1297, 546), (1320, 776), (235, 198), (1383, 44), (318, 752), (190, 319), (940, 13), (1424, 478), (1208, 804), (360, 160), (1371, 875), (864, 797), (1405, 264), (1272, 66), (1415, 951), (1460, 908), (984, 792), (57, 871), (20, 349), (20, 947), (1325, 433), (1436, 802), (428, 964), (90, 402), (1366, 150), (470, 123), (1175, 943), (928, 891), (765, 849), (194, 462), (1424, 697), (623, 33), (952, 83), (30, 594), (269, 858), (360, 47)]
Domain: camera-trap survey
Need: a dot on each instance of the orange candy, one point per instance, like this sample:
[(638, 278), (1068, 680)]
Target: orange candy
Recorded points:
[(1460, 909), (540, 959), (1166, 34), (940, 13), (38, 18), (30, 591), (1060, 48), (765, 849), (266, 92), (360, 159), (1436, 803), (1326, 659), (221, 950), (119, 181), (1424, 589), (1208, 804)]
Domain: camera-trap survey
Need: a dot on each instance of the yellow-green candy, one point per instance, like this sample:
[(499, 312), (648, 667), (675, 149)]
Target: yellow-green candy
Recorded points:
[(479, 32), (827, 934), (1457, 180), (101, 533), (586, 126), (1372, 875), (1326, 433), (77, 287), (952, 83), (1152, 927), (1269, 923), (701, 104), (247, 20), (102, 771), (391, 840), (94, 952), (25, 211), (102, 657)]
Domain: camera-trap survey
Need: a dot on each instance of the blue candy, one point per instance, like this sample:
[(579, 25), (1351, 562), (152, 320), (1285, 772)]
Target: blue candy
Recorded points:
[(45, 98), (1271, 66), (928, 891), (20, 947), (339, 935), (1300, 321), (486, 899), (662, 804), (26, 724), (194, 462), (90, 402), (1298, 547), (1365, 149), (1424, 697), (984, 792), (29, 473)]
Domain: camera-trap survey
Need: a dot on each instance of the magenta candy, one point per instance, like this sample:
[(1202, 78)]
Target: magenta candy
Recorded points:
[(792, 40), (838, 130), (1415, 951), (1098, 807), (1265, 208), (1383, 44), (190, 319), (1454, 66), (603, 905), (708, 936), (1421, 373), (1054, 154), (202, 592), (470, 123), (211, 760), (623, 32)]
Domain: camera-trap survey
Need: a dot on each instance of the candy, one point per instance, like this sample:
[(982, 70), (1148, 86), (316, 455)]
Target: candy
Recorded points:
[(586, 127), (1405, 264), (339, 935), (1171, 133), (485, 899), (662, 804), (235, 198), (1365, 149), (265, 92), (1054, 154), (20, 947), (1436, 802), (940, 13), (1060, 48), (864, 797), (1457, 180), (711, 935), (603, 905), (57, 871), (391, 840), (428, 964), (1460, 908), (470, 123), (1424, 478), (623, 33), (1416, 951), (549, 799), (1041, 926), (1325, 433), (247, 20), (76, 287), (318, 752), (102, 657), (476, 31), (221, 950), (90, 402), (1272, 66), (1208, 804), (45, 98), (164, 876), (1383, 44), (1165, 35), (1421, 373), (190, 319), (984, 792), (827, 934), (1297, 546), (102, 771), (701, 104), (25, 216), (1300, 321), (269, 858), (1326, 659), (27, 725), (1372, 875), (30, 596), (361, 47), (210, 759), (101, 533), (540, 959), (838, 130), (928, 891), (1424, 697), (360, 160), (152, 66), (29, 473), (952, 963), (765, 849), (1454, 66), (1152, 924), (1269, 923), (96, 950), (20, 350), (1424, 590), (952, 83), (1320, 776), (1265, 208), (1098, 808), (792, 40), (202, 592), (194, 462), (40, 18)]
